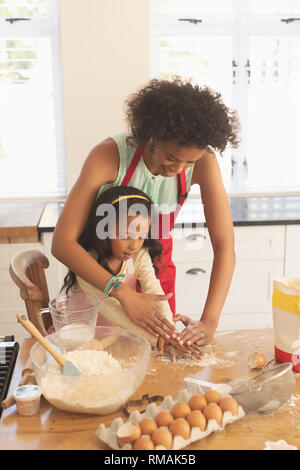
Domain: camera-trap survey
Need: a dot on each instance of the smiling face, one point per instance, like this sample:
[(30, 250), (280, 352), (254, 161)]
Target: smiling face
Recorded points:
[(168, 159)]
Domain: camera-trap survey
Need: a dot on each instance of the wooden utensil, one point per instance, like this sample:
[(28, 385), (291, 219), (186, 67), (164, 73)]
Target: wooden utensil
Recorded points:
[(27, 378), (67, 367), (28, 369)]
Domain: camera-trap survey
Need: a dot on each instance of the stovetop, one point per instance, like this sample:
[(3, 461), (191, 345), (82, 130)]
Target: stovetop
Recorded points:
[(9, 349)]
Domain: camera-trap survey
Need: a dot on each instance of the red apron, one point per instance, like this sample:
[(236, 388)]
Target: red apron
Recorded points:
[(166, 275)]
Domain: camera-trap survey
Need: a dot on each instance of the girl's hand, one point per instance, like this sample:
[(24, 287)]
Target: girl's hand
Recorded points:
[(142, 311), (172, 352), (173, 349), (196, 333)]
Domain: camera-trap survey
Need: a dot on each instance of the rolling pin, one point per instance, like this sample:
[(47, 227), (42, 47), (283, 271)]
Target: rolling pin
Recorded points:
[(27, 378)]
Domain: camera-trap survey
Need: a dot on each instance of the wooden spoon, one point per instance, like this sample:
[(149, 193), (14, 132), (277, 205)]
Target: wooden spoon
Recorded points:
[(67, 367)]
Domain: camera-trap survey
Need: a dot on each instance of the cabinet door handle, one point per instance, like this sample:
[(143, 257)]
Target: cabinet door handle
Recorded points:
[(196, 271), (195, 236)]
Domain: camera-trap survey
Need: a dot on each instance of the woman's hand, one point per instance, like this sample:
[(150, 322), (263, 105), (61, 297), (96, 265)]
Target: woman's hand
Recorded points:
[(142, 310), (196, 333)]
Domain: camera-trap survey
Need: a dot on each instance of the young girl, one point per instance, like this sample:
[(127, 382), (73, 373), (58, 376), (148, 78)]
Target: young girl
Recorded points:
[(122, 244), (174, 129)]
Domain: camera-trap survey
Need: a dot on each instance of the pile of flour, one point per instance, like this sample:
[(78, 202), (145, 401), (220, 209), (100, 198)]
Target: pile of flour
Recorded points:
[(101, 388), (209, 358)]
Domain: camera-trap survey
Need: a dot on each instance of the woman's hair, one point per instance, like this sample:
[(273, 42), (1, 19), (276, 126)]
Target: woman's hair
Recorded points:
[(99, 243), (191, 115)]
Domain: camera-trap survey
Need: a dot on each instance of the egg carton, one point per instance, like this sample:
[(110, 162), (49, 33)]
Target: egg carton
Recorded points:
[(109, 434)]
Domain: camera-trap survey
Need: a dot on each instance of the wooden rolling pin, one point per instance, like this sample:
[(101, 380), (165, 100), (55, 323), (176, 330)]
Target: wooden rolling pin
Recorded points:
[(27, 378)]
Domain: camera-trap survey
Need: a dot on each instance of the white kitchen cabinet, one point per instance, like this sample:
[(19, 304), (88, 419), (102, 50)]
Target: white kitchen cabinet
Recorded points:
[(260, 257)]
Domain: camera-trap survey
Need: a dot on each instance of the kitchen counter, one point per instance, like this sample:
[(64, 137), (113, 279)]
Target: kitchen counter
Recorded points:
[(245, 212), (54, 429), (24, 221), (19, 221)]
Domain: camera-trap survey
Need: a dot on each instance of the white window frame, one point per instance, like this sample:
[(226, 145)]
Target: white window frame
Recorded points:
[(222, 26), (39, 26)]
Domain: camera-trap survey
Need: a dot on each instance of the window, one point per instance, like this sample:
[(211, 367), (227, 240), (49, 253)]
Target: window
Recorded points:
[(249, 50), (32, 161)]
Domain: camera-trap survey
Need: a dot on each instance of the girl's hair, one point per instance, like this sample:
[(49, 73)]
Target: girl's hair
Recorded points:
[(101, 246), (191, 115)]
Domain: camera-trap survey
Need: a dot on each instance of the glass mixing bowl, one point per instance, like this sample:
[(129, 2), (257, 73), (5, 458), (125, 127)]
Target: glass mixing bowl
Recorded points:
[(123, 363)]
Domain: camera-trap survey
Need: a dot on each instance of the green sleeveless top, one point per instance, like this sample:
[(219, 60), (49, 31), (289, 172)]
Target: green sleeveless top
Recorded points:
[(162, 190)]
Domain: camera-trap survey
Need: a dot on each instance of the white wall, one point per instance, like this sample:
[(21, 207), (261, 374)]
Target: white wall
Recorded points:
[(105, 57)]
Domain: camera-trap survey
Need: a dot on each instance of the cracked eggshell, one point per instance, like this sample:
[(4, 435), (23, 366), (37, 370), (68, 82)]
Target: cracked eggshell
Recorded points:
[(128, 432), (109, 434), (257, 360)]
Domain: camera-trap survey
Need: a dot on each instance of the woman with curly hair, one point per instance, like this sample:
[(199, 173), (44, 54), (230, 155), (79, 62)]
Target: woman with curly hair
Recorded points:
[(174, 129)]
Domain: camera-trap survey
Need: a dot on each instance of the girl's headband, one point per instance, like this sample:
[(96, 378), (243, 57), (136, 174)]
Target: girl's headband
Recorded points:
[(129, 196)]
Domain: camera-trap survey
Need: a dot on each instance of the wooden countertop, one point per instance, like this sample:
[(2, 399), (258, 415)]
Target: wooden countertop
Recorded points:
[(19, 221), (53, 429)]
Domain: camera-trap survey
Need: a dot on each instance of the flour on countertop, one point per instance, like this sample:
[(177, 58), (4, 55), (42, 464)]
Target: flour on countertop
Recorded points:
[(232, 353), (294, 401), (279, 445), (209, 358), (291, 407)]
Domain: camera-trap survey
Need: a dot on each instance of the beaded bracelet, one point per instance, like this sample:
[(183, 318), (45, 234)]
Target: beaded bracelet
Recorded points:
[(113, 283)]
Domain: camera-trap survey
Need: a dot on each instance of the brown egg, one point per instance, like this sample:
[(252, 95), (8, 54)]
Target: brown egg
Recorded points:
[(213, 411), (197, 402), (148, 425), (180, 410), (144, 443), (196, 419), (128, 432), (257, 360), (180, 427), (212, 396), (164, 418), (162, 437), (229, 404)]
